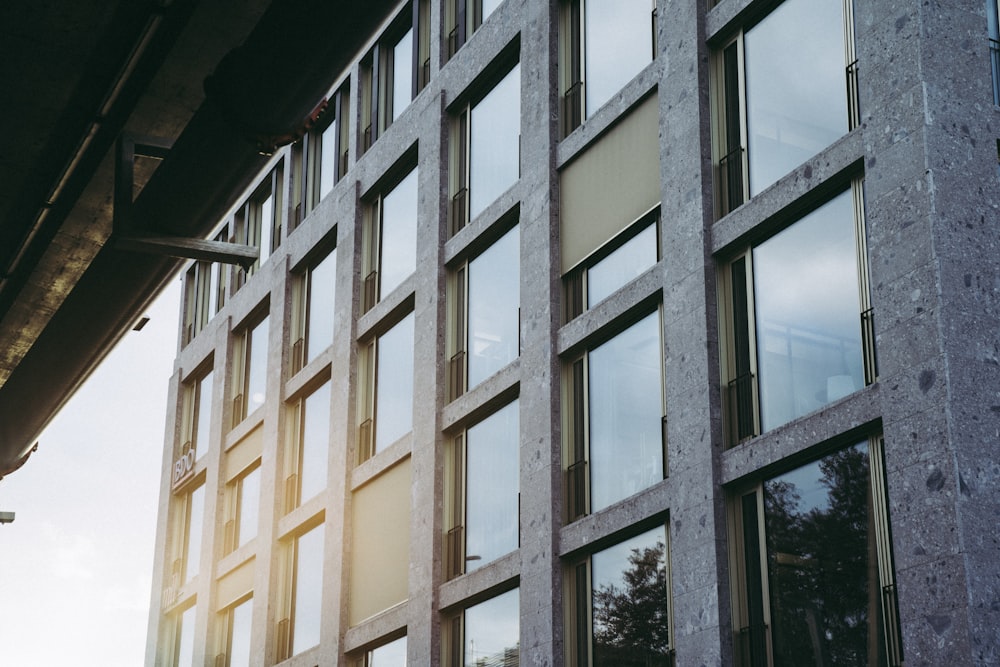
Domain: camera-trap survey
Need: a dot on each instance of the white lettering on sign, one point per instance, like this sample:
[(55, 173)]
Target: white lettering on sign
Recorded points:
[(184, 465)]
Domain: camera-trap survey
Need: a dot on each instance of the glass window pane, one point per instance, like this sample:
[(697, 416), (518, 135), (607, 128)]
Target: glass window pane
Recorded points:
[(392, 654), (619, 42), (257, 366), (308, 590), (629, 593), (196, 512), (322, 280), (622, 265), (402, 73), (492, 632), (491, 511), (795, 87), (314, 455), (398, 253), (808, 314), (394, 384), (626, 410), (489, 6), (239, 632), (328, 157), (266, 222), (249, 506), (821, 570), (494, 142), (201, 432), (494, 302), (185, 641)]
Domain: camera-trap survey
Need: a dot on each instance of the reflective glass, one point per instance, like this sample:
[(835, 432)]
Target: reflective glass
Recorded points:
[(328, 157), (257, 366), (392, 654), (626, 409), (266, 223), (398, 249), (619, 42), (795, 87), (322, 279), (492, 632), (185, 640), (823, 577), (495, 143), (201, 428), (622, 265), (314, 454), (629, 595), (808, 314), (494, 303), (196, 515), (239, 634), (394, 384), (308, 590), (489, 6), (249, 506), (491, 506), (402, 73)]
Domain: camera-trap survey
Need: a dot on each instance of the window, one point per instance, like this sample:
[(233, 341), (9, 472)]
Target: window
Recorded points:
[(797, 322), (387, 397), (191, 515), (812, 570), (184, 638), (993, 23), (258, 222), (327, 148), (395, 70), (619, 599), (487, 634), (309, 456), (484, 492), (197, 300), (486, 319), (613, 266), (250, 370), (300, 628), (782, 95), (486, 160), (390, 253), (463, 18), (237, 626), (197, 414), (392, 654), (313, 311), (616, 436), (244, 509), (604, 44), (220, 279)]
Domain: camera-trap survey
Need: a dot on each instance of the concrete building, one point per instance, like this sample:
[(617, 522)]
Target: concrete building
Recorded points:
[(600, 333)]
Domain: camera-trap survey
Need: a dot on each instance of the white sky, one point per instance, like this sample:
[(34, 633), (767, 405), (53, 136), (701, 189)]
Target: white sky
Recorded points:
[(76, 564)]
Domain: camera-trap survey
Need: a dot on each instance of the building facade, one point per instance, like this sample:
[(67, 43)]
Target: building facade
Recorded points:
[(593, 332)]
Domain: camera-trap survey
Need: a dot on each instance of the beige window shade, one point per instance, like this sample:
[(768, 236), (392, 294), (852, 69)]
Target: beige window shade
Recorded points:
[(235, 585), (244, 452), (380, 552), (612, 183)]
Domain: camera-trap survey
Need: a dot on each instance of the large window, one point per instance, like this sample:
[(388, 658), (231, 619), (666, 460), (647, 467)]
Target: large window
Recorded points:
[(197, 300), (463, 17), (250, 370), (604, 44), (395, 70), (313, 311), (191, 517), (258, 222), (197, 414), (237, 620), (787, 88), (390, 253), (300, 628), (615, 437), (309, 455), (184, 638), (392, 654), (487, 634), (486, 160), (244, 509), (387, 397), (797, 322), (812, 569), (620, 605), (483, 507), (327, 148), (486, 313)]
